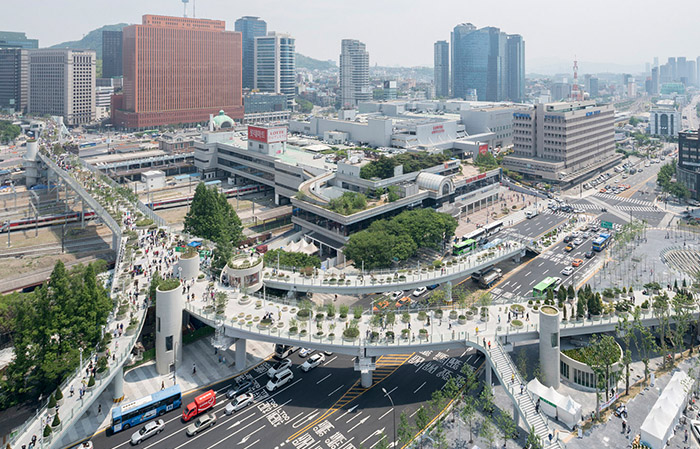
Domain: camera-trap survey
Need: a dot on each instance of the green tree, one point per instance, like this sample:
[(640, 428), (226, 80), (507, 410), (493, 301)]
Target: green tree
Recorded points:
[(581, 306), (304, 106), (212, 217), (533, 440), (570, 292), (488, 432), (561, 295), (222, 254), (422, 418), (468, 413), (383, 442), (156, 279), (661, 311), (486, 161), (404, 431), (625, 330), (440, 437), (291, 259), (521, 362), (486, 399), (600, 354), (681, 305), (507, 426), (374, 249), (8, 131), (646, 343)]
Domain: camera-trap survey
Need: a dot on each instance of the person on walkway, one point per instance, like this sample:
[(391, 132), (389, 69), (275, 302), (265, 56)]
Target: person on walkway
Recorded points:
[(162, 385), (99, 409), (624, 424), (72, 390), (194, 369)]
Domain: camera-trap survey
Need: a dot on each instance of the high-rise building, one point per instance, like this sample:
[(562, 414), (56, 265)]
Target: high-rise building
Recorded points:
[(673, 69), (562, 141), (275, 65), (515, 68), (14, 79), (178, 70), (480, 60), (354, 73), (594, 87), (690, 70), (250, 27), (111, 54), (681, 69), (654, 88), (688, 171), (561, 91), (11, 39), (441, 66), (62, 82)]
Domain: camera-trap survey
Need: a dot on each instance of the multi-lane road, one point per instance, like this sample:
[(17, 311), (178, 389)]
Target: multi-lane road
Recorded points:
[(322, 409)]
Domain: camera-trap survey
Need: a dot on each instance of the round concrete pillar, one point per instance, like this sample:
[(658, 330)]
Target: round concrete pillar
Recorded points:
[(187, 269), (118, 386), (240, 354), (366, 379), (245, 272), (549, 345), (169, 307)]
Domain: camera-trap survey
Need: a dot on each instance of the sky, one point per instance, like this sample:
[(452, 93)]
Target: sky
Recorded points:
[(402, 32)]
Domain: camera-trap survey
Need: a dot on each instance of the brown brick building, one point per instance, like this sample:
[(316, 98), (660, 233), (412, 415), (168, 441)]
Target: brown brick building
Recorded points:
[(178, 70)]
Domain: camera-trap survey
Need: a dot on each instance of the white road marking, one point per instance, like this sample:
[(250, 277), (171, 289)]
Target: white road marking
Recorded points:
[(375, 433), (330, 360), (323, 379), (392, 390), (386, 413), (252, 444), (362, 421), (358, 414), (245, 438), (331, 393), (421, 386), (379, 441), (348, 411), (305, 419)]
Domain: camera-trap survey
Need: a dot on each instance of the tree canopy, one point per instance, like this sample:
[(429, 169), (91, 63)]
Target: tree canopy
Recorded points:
[(399, 237), (291, 259), (8, 131), (383, 167), (348, 203), (212, 217), (63, 315)]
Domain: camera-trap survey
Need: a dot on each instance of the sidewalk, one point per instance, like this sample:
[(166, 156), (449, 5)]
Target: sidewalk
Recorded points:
[(143, 380)]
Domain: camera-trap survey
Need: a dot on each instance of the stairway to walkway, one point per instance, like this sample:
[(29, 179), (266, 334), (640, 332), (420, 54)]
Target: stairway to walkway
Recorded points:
[(506, 372)]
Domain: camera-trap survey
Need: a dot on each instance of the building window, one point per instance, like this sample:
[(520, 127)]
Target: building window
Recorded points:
[(555, 339), (158, 324), (169, 343)]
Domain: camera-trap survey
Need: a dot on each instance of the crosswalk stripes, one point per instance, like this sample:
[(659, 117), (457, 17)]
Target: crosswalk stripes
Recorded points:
[(385, 366), (623, 199)]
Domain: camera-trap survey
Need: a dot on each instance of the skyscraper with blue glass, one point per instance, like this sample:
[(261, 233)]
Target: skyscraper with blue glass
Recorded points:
[(250, 27), (489, 61)]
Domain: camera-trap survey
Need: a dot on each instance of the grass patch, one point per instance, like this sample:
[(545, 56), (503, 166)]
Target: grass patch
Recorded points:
[(198, 334)]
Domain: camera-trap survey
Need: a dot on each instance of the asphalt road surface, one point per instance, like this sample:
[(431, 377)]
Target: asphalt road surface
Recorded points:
[(322, 409)]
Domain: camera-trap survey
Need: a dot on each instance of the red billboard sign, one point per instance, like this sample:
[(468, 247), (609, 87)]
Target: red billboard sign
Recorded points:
[(437, 129), (267, 135), (483, 149)]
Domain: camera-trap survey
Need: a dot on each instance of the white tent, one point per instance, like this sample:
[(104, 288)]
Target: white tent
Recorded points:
[(302, 246), (555, 404), (658, 425)]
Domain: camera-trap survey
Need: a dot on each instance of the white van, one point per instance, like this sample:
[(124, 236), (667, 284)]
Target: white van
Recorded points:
[(279, 379), (531, 214)]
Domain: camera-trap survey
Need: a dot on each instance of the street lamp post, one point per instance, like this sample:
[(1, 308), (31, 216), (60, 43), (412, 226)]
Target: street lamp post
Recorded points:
[(386, 393)]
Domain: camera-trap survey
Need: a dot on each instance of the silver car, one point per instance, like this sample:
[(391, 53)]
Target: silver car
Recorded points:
[(147, 431), (313, 362), (238, 403), (204, 421)]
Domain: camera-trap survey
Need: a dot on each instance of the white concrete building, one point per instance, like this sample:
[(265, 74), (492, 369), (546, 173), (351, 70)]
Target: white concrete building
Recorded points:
[(354, 73), (664, 119), (62, 83)]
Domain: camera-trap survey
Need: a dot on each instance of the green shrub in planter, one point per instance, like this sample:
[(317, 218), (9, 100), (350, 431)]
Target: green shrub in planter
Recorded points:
[(374, 336), (52, 402), (406, 317), (102, 364), (404, 333), (453, 315), (422, 315), (530, 302), (303, 333), (47, 431), (344, 310), (319, 316), (59, 394), (390, 335), (351, 333), (304, 314), (91, 381), (357, 312), (516, 323), (293, 330), (423, 332), (56, 421), (438, 313)]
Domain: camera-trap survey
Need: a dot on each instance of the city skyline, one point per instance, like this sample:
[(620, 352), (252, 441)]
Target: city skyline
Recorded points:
[(573, 38)]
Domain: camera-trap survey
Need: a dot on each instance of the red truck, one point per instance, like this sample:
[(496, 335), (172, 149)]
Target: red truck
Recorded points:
[(201, 403)]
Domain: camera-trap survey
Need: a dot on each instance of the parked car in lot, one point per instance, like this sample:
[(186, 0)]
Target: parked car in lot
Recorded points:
[(147, 431), (280, 379), (567, 271), (303, 352), (203, 422), (403, 302), (278, 367), (239, 388), (381, 305), (238, 403), (312, 362), (419, 291)]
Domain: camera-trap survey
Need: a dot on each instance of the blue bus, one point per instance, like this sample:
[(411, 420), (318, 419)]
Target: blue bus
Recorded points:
[(601, 242), (135, 412)]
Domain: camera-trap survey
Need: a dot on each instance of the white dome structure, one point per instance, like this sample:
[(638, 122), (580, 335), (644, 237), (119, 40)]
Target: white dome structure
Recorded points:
[(437, 183)]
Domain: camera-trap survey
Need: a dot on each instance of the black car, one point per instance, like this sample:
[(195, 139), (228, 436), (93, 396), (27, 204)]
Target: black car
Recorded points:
[(589, 254), (568, 238), (239, 388)]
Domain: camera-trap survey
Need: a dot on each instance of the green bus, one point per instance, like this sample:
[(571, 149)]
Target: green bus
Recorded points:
[(464, 247), (540, 290)]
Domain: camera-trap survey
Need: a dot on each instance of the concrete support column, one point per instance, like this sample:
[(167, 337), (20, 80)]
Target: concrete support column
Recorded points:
[(118, 386), (488, 375), (115, 242), (365, 365), (82, 215), (366, 379), (169, 307), (240, 354), (516, 414), (549, 345)]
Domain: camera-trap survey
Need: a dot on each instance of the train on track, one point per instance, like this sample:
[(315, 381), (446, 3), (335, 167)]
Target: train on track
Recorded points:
[(45, 220), (184, 201)]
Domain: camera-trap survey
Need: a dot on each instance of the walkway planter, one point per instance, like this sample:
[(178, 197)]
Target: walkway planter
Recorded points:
[(596, 317), (516, 324), (131, 329), (462, 319), (102, 375)]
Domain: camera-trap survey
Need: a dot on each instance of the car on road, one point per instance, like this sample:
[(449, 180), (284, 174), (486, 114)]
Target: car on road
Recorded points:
[(577, 241), (576, 263), (85, 445), (239, 388), (433, 286), (567, 271), (203, 422), (530, 214), (403, 302), (695, 426), (589, 254), (305, 352), (396, 295), (586, 235), (419, 291), (278, 367), (568, 239), (569, 248), (238, 403), (313, 362), (279, 379)]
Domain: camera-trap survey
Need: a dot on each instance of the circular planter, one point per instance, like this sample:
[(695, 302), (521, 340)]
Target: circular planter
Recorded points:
[(263, 326), (596, 317), (303, 316), (516, 324), (405, 334), (331, 336), (241, 322), (462, 319), (453, 315), (423, 334), (244, 300), (319, 335), (292, 330), (280, 325), (102, 375), (130, 330), (303, 333)]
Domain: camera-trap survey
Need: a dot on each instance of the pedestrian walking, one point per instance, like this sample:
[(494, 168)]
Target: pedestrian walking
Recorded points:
[(623, 426), (72, 390), (162, 385), (686, 436), (99, 409), (194, 369)]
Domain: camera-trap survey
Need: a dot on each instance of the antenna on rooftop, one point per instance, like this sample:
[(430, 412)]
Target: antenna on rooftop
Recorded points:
[(184, 7)]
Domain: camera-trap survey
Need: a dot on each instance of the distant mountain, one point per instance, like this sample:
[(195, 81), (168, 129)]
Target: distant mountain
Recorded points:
[(554, 65), (305, 62), (92, 40)]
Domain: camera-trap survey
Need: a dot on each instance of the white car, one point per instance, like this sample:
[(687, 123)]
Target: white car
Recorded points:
[(575, 234), (279, 379), (204, 421), (313, 362), (419, 291), (303, 352), (578, 241), (239, 402), (567, 271), (147, 431), (396, 295), (279, 367)]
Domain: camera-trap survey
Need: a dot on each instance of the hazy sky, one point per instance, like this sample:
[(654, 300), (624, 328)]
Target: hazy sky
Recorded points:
[(402, 32)]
